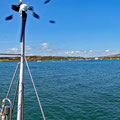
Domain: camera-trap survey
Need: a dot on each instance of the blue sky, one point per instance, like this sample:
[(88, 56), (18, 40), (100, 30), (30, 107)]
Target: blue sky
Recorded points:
[(83, 28)]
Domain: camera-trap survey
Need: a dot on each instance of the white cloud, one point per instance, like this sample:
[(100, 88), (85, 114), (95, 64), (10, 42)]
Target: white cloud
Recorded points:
[(72, 52), (107, 51), (17, 50), (45, 45), (28, 48), (50, 50), (91, 51), (12, 50), (45, 49), (66, 53), (79, 52)]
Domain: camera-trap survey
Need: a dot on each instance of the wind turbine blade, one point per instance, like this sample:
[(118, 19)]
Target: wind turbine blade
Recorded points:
[(51, 21), (24, 17), (47, 1), (36, 16), (9, 17), (31, 8), (16, 8)]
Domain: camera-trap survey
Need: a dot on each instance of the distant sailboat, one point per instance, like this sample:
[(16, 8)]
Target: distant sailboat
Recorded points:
[(39, 61)]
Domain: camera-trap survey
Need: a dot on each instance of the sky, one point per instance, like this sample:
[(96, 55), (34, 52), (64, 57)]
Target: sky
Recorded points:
[(86, 28)]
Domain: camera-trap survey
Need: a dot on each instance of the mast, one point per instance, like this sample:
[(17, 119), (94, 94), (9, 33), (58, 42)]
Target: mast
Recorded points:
[(20, 92), (21, 81)]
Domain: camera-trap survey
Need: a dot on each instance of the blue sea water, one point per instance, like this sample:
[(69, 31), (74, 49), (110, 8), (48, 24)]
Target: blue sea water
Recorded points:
[(68, 90)]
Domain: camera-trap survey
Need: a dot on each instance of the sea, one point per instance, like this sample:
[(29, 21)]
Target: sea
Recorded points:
[(68, 90)]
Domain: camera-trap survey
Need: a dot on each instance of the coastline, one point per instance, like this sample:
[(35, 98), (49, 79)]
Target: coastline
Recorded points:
[(46, 58)]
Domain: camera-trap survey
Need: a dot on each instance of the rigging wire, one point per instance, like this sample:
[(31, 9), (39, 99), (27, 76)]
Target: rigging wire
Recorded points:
[(12, 80), (15, 95), (23, 103), (35, 89)]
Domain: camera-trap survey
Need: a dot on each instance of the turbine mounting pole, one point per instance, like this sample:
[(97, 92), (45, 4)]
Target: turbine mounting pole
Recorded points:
[(22, 42)]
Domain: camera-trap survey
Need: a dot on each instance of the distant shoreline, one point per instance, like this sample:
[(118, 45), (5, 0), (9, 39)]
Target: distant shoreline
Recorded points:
[(41, 58), (45, 58)]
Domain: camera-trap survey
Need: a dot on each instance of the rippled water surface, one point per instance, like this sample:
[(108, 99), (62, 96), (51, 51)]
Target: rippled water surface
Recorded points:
[(68, 90)]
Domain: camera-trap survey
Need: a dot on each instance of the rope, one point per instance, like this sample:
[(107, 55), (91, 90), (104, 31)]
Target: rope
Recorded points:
[(35, 90), (12, 80)]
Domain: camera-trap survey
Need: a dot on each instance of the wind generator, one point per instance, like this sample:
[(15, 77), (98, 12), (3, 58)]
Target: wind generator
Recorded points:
[(6, 110)]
